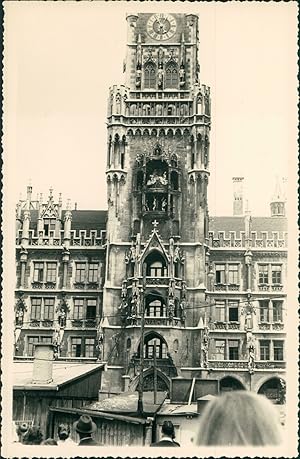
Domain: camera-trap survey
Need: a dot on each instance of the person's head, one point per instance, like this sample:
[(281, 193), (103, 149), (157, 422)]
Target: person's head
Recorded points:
[(21, 430), (239, 418), (85, 426), (167, 429), (33, 436), (49, 441), (63, 431)]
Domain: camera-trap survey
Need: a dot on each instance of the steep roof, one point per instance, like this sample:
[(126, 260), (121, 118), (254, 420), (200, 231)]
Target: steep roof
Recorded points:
[(258, 224), (81, 219)]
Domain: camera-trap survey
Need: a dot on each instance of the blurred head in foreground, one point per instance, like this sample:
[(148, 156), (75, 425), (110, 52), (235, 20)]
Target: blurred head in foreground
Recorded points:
[(33, 436), (239, 418)]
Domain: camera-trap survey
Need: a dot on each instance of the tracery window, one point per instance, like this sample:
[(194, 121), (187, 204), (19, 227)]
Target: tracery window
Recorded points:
[(172, 76), (150, 76)]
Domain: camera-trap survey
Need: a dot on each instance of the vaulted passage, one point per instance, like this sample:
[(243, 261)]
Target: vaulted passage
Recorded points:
[(229, 383)]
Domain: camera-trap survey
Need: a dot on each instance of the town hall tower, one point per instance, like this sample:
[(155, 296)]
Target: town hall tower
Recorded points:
[(157, 227)]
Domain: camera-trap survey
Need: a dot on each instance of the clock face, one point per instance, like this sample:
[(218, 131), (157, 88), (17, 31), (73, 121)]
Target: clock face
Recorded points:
[(161, 26)]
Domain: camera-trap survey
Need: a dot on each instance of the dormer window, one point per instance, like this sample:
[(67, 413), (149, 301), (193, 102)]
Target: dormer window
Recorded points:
[(49, 225)]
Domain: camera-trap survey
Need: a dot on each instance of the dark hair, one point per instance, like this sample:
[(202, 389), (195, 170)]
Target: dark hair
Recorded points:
[(49, 441), (33, 436), (63, 431), (168, 429)]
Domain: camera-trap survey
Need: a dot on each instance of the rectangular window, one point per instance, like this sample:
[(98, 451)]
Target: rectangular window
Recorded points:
[(264, 347), (91, 307), (38, 272), (75, 347), (32, 340), (264, 311), (80, 272), (46, 339), (233, 311), (233, 274), (78, 308), (277, 311), (263, 274), (93, 272), (276, 274), (278, 350), (89, 347), (220, 311), (51, 272), (49, 308), (49, 225), (220, 274), (233, 349), (36, 306), (220, 349)]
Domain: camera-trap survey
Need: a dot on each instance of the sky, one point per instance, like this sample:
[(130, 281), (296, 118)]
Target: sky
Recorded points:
[(60, 58)]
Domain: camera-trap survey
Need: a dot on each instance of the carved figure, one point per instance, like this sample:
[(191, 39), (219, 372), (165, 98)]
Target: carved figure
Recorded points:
[(251, 358), (124, 289), (62, 318), (205, 343), (171, 288), (157, 179), (171, 310), (19, 317), (164, 204), (138, 77), (160, 76), (183, 290), (181, 75), (154, 207)]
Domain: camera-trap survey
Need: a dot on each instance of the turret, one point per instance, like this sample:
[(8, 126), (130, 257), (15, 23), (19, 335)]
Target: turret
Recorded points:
[(277, 203), (238, 196)]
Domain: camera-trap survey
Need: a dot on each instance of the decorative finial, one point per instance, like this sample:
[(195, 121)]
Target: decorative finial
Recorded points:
[(50, 192), (155, 224), (68, 204)]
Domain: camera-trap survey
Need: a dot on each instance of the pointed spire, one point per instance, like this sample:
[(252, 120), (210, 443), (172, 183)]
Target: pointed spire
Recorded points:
[(278, 201), (278, 194)]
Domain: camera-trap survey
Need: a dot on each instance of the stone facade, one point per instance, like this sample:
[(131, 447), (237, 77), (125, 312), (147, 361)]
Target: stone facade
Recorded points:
[(208, 292)]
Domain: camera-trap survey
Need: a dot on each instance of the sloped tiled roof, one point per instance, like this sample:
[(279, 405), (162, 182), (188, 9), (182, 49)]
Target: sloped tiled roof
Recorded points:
[(258, 224), (81, 219)]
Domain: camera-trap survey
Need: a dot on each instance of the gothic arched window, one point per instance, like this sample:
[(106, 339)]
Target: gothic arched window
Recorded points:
[(161, 347), (171, 76), (150, 76), (156, 265), (156, 308)]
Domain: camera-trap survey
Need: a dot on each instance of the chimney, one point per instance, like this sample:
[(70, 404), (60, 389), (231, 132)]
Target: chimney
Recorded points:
[(75, 206), (238, 204), (42, 364)]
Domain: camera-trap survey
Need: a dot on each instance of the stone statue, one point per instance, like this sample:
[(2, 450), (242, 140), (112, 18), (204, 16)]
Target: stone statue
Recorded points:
[(205, 343), (181, 75), (19, 317), (160, 76), (171, 288), (62, 318), (154, 207), (164, 204), (171, 310)]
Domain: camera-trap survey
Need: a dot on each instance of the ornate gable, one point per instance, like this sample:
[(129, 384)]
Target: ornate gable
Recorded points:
[(154, 242)]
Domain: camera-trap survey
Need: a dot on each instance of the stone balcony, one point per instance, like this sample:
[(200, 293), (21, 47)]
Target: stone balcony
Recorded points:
[(163, 281), (243, 365), (218, 325)]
